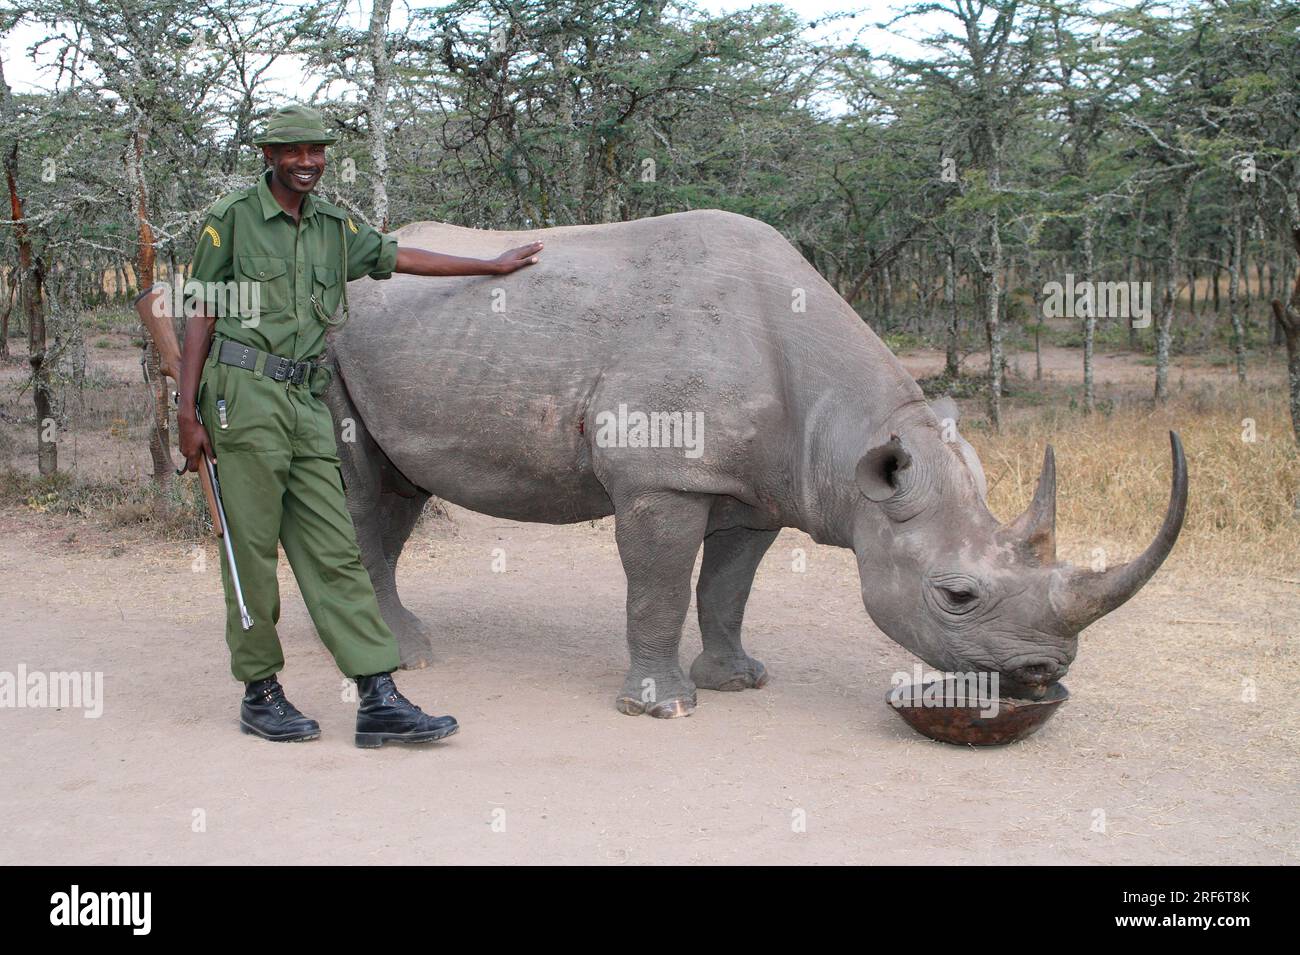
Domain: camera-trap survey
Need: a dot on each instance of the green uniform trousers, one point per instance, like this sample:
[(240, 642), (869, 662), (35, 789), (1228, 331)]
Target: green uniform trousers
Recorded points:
[(280, 482)]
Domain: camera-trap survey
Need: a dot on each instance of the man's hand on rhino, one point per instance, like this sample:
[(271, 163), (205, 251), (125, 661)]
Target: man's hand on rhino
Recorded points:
[(412, 261), (518, 258)]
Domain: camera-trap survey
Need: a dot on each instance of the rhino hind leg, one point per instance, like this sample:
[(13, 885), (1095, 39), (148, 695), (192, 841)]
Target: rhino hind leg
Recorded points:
[(384, 508), (731, 557), (658, 536), (397, 516)]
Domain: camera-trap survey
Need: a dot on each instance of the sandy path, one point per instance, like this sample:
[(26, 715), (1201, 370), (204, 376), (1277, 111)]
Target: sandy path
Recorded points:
[(1156, 735)]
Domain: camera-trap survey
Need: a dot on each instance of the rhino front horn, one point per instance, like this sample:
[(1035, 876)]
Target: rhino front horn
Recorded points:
[(1035, 529), (1084, 596)]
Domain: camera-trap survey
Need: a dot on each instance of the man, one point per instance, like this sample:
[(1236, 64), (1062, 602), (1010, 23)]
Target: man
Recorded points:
[(252, 371)]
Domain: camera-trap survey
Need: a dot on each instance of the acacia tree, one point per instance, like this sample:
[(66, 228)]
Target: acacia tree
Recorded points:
[(602, 110), (132, 53), (247, 39), (30, 275), (988, 62)]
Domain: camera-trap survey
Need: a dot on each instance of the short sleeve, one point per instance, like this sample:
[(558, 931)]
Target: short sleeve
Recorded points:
[(212, 263), (370, 252)]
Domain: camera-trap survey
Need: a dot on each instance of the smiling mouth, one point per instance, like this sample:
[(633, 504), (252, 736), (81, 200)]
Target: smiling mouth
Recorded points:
[(305, 176)]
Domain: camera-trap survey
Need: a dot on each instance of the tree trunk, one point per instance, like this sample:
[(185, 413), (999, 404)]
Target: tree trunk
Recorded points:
[(33, 306), (160, 433), (11, 288), (1036, 282), (993, 327), (1288, 319), (1164, 326), (1234, 288), (377, 109), (1089, 320), (951, 367), (886, 300), (30, 278), (1259, 289)]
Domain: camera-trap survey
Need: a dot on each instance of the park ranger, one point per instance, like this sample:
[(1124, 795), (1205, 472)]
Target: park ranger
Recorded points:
[(253, 371)]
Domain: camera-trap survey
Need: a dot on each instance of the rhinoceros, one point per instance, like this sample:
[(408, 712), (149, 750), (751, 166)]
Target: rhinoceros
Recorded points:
[(526, 397)]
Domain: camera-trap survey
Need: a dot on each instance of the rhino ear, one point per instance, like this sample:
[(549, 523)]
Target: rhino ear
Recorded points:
[(945, 409), (879, 472)]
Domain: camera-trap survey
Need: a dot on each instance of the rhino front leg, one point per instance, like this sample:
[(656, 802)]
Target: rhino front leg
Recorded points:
[(658, 536), (731, 557)]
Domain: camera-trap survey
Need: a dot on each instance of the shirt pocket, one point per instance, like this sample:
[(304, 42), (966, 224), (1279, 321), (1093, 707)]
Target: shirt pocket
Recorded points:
[(270, 274), (326, 291)]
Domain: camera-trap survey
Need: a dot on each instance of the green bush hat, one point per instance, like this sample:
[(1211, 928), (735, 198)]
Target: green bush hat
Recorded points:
[(295, 124)]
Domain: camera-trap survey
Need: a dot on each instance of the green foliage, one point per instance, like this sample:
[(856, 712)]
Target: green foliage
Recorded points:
[(882, 170)]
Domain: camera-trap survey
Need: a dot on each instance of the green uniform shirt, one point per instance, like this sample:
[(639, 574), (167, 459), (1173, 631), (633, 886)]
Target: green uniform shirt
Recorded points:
[(251, 245)]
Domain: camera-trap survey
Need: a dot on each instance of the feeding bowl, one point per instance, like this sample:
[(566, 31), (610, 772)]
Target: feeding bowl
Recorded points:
[(948, 711)]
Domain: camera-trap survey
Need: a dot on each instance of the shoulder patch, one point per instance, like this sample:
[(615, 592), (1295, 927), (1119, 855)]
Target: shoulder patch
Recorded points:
[(352, 225), (213, 235)]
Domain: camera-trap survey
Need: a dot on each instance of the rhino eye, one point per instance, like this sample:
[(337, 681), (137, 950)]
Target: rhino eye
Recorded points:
[(957, 598)]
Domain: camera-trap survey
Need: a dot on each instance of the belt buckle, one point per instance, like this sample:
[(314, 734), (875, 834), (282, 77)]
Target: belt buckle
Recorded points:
[(299, 373)]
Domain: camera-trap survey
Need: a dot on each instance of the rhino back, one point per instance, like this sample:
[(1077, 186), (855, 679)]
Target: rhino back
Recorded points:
[(485, 389)]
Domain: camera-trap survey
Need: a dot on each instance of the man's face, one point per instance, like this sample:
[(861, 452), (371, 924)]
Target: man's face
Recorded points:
[(296, 166)]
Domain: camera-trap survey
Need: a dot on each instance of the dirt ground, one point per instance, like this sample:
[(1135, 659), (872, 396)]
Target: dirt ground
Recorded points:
[(1178, 744)]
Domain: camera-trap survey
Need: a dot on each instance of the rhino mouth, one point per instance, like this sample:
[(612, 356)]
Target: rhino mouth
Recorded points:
[(1031, 682)]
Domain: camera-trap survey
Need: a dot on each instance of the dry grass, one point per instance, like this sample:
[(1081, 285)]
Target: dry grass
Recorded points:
[(177, 512), (1113, 473)]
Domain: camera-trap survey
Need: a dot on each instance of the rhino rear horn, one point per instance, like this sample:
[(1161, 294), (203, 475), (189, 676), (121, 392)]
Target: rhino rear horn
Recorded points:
[(1035, 529), (1084, 596)]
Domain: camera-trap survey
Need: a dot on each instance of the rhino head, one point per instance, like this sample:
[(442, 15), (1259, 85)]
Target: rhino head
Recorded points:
[(943, 578)]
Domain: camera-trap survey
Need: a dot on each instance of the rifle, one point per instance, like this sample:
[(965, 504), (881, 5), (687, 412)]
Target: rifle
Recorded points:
[(151, 306)]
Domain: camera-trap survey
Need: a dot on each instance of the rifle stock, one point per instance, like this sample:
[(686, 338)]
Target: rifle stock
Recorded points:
[(152, 307), (205, 479)]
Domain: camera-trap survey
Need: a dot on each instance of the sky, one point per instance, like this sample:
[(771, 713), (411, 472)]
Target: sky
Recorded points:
[(25, 75)]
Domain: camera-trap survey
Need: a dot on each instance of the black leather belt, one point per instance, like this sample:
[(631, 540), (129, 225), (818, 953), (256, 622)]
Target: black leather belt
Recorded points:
[(275, 367)]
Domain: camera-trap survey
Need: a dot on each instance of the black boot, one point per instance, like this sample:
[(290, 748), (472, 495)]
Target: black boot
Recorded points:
[(384, 714), (266, 713)]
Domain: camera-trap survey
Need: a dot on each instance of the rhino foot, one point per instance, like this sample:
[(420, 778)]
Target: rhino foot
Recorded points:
[(728, 673), (662, 698), (412, 640), (663, 710), (415, 657)]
